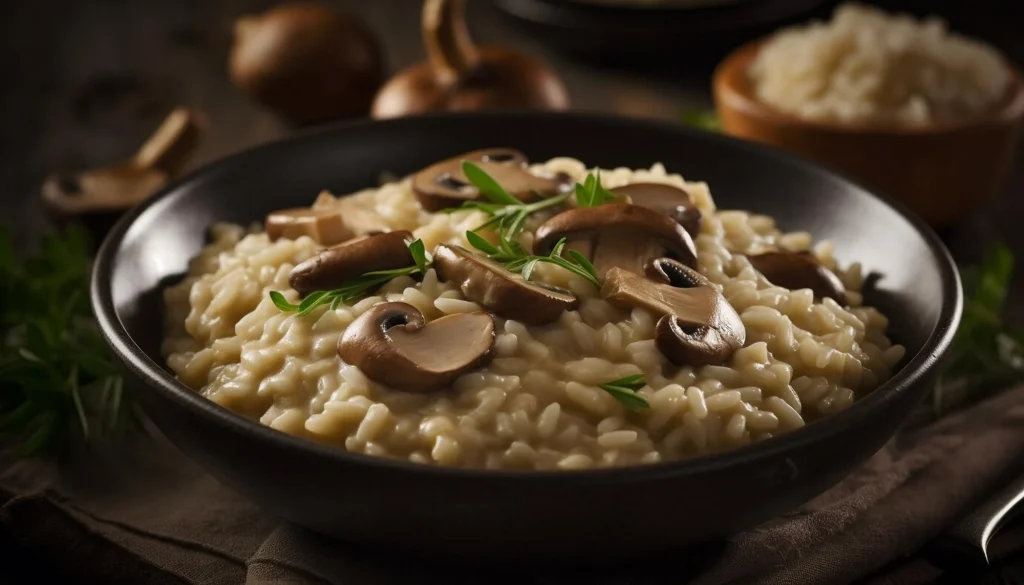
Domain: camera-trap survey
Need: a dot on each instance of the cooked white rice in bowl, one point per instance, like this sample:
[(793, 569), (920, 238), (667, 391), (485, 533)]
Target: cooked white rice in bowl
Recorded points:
[(867, 66), (538, 404)]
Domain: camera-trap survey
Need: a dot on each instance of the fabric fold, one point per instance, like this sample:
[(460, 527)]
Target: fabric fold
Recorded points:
[(141, 512)]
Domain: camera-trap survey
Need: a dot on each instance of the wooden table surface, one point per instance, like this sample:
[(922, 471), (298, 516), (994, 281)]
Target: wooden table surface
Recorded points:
[(89, 80)]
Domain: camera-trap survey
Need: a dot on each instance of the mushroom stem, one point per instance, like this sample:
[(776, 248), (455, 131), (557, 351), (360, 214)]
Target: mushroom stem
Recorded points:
[(173, 142), (449, 47)]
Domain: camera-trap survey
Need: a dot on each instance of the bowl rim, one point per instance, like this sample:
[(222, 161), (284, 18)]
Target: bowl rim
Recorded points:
[(152, 373), (733, 90)]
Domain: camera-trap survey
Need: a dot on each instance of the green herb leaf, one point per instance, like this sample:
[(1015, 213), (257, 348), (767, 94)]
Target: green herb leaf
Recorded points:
[(487, 186), (528, 268), (54, 363), (282, 303), (357, 288), (478, 242), (625, 391), (419, 254), (702, 120), (986, 354), (583, 262), (591, 193)]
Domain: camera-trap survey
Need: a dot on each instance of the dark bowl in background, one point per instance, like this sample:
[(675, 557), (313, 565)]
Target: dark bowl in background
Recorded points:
[(598, 514), (660, 34)]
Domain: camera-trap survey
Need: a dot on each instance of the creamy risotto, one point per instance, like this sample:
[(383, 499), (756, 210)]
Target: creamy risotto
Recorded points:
[(524, 384)]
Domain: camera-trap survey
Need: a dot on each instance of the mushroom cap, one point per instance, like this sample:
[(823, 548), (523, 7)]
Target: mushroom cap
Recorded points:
[(696, 325), (324, 225), (113, 188), (443, 184), (334, 266), (501, 79), (666, 200), (651, 234), (307, 61), (799, 270), (501, 291), (393, 345)]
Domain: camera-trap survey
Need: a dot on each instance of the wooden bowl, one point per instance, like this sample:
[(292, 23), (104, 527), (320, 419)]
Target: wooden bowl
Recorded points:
[(942, 172)]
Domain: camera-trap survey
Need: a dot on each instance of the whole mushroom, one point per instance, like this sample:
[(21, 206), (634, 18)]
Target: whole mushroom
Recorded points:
[(460, 76), (307, 62), (696, 325), (393, 344)]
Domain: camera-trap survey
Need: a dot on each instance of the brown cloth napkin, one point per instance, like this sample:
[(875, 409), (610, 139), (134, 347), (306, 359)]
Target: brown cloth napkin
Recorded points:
[(142, 513)]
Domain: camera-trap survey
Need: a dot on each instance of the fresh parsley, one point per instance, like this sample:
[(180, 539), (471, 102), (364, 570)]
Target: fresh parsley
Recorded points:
[(590, 193), (58, 379), (625, 391), (987, 354), (516, 259), (358, 287)]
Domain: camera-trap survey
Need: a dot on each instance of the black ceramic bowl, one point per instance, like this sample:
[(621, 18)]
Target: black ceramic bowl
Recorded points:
[(599, 514)]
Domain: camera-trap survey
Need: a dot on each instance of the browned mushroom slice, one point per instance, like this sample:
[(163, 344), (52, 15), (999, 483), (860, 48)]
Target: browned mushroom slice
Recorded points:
[(666, 200), (97, 197), (324, 225), (393, 345), (696, 325), (798, 270), (501, 291), (617, 235), (444, 185), (334, 266)]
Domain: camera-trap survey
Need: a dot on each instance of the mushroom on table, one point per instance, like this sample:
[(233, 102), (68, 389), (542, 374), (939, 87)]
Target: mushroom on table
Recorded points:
[(394, 345), (334, 266), (617, 235), (696, 325), (666, 200), (799, 270), (443, 185), (501, 291)]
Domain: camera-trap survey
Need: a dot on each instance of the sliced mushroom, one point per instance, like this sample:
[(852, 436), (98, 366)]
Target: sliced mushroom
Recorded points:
[(358, 217), (696, 325), (97, 197), (617, 235), (666, 200), (501, 291), (798, 270), (332, 267), (393, 345), (443, 185), (324, 225)]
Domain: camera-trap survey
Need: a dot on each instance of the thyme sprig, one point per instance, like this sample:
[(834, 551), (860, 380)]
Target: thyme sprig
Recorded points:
[(625, 391), (513, 257), (357, 288), (508, 214), (591, 193)]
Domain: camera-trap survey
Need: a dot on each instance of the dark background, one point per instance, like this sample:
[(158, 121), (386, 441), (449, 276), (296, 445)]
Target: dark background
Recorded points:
[(87, 81)]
